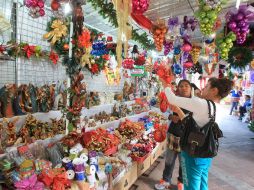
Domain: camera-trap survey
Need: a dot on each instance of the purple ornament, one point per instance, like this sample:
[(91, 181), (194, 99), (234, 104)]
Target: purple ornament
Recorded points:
[(239, 16), (232, 25), (241, 24)]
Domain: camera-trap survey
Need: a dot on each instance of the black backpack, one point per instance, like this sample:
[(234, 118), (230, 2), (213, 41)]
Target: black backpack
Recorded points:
[(203, 141)]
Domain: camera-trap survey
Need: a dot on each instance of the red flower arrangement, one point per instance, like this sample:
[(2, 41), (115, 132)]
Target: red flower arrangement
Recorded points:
[(141, 60)]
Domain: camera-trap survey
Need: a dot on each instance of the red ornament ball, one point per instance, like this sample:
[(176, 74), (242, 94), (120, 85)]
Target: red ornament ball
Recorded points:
[(55, 5)]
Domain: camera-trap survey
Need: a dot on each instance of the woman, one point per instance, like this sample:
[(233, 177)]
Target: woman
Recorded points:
[(195, 170), (246, 106), (174, 132), (235, 98)]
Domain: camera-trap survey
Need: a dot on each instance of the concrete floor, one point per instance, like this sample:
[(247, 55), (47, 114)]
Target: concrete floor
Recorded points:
[(232, 169)]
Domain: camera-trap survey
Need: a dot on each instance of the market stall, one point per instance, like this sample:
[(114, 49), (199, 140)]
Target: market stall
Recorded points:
[(81, 106)]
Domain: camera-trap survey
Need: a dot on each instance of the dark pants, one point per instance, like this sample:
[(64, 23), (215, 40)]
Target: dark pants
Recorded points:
[(234, 106), (170, 164), (242, 111)]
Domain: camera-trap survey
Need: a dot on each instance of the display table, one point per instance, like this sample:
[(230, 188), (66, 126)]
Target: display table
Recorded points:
[(131, 174)]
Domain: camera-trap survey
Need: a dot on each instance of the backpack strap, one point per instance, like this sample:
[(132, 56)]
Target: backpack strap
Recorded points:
[(212, 116)]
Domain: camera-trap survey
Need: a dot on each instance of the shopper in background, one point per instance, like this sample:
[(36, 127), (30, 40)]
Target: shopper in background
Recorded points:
[(195, 170), (246, 106), (174, 132), (235, 98)]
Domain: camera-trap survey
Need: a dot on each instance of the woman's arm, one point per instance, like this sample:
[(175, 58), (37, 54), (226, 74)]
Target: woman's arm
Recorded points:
[(194, 105)]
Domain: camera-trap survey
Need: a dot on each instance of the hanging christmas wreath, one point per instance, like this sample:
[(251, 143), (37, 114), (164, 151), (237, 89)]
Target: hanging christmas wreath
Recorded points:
[(240, 57)]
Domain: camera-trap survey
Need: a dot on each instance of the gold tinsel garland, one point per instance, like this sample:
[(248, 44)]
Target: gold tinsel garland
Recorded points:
[(123, 10)]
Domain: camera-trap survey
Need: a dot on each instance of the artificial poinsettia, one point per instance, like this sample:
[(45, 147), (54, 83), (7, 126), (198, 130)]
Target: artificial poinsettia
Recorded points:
[(53, 57), (29, 50), (95, 68), (84, 39)]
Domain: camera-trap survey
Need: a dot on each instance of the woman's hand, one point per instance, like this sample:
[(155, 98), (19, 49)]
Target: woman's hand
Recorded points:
[(177, 110)]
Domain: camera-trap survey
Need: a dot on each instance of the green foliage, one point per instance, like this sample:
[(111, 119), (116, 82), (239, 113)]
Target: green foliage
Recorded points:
[(240, 57)]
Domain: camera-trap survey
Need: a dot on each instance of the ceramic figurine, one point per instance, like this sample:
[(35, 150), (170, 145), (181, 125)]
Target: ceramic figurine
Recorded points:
[(33, 96), (11, 132), (7, 94)]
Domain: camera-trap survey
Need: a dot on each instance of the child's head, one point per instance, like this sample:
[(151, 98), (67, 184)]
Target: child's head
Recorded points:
[(184, 88), (247, 97)]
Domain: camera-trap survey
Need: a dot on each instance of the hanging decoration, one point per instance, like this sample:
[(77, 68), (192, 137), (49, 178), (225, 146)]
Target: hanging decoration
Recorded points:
[(99, 48), (226, 44), (172, 23), (177, 69), (36, 8), (208, 70), (238, 21), (128, 63), (163, 71), (159, 31), (239, 57), (197, 68), (77, 17), (139, 7), (186, 47), (106, 10), (140, 60), (207, 15), (168, 46), (195, 53), (58, 30), (123, 10), (189, 23)]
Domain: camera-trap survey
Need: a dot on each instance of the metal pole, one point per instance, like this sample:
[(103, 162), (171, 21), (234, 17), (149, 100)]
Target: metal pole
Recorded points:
[(69, 79)]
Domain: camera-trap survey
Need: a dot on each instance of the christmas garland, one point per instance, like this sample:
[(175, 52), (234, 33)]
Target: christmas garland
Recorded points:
[(106, 10), (251, 126), (239, 57), (28, 51)]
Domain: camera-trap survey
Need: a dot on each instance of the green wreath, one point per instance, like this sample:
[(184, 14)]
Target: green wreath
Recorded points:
[(240, 57)]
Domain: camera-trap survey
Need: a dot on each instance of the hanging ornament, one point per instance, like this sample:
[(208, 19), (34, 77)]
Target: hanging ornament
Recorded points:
[(226, 44), (140, 6), (128, 63), (36, 8), (189, 23), (159, 31), (207, 16), (208, 70), (172, 23), (177, 69), (238, 21), (195, 53), (99, 48), (55, 5), (141, 60), (123, 11), (252, 64), (168, 46)]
